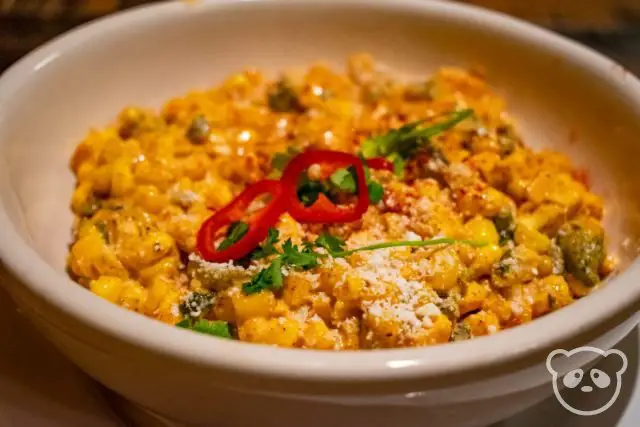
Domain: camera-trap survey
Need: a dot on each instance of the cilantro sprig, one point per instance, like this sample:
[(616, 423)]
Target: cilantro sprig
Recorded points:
[(268, 248), (306, 257), (397, 145), (272, 277)]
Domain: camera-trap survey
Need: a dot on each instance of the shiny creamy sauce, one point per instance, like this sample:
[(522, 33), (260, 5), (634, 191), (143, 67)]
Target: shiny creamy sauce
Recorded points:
[(146, 183)]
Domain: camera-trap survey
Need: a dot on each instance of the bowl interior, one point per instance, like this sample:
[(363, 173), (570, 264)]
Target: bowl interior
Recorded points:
[(51, 99)]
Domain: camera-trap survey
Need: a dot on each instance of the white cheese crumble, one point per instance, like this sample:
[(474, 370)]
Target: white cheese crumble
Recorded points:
[(428, 310), (301, 315), (404, 305), (516, 307), (423, 204), (460, 169), (412, 237), (183, 197), (175, 310)]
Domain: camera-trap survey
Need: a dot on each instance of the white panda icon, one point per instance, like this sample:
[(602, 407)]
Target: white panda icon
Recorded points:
[(586, 380)]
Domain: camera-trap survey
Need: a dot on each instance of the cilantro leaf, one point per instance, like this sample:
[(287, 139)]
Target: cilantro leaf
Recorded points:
[(331, 243), (344, 180), (216, 328), (268, 248), (267, 278), (271, 277), (273, 234), (236, 231), (309, 190), (280, 160), (398, 164), (375, 192), (293, 256)]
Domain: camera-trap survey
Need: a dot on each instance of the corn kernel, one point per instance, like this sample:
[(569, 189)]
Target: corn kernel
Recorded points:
[(109, 288)]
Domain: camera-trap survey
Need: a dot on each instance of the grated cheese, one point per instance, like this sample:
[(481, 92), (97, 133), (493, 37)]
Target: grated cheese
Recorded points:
[(411, 236), (175, 310)]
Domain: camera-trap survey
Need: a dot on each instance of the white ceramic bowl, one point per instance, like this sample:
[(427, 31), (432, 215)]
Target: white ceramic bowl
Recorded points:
[(566, 97)]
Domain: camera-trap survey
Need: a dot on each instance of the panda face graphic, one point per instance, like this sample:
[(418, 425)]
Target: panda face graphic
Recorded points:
[(574, 379), (586, 391)]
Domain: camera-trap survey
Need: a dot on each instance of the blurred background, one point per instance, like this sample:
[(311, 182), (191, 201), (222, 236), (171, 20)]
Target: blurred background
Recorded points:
[(610, 26)]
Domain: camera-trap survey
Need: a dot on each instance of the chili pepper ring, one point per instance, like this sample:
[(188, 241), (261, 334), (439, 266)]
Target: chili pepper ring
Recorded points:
[(258, 223), (323, 210)]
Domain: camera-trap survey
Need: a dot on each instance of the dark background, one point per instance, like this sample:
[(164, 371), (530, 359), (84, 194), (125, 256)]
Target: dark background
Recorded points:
[(610, 26)]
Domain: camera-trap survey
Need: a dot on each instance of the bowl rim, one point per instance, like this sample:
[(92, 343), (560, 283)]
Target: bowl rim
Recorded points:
[(507, 351)]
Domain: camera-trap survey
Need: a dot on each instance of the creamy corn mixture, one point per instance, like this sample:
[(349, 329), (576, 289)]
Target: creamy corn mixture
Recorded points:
[(146, 183)]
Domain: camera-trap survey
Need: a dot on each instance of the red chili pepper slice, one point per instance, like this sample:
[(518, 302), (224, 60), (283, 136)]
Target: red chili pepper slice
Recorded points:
[(258, 223), (380, 163), (323, 210)]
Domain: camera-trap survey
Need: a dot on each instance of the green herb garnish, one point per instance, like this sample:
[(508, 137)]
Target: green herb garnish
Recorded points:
[(307, 257), (399, 144), (267, 278), (345, 180), (216, 328), (375, 192), (271, 277), (309, 190), (406, 243), (236, 231), (279, 161), (293, 256), (268, 248), (332, 244), (342, 180)]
